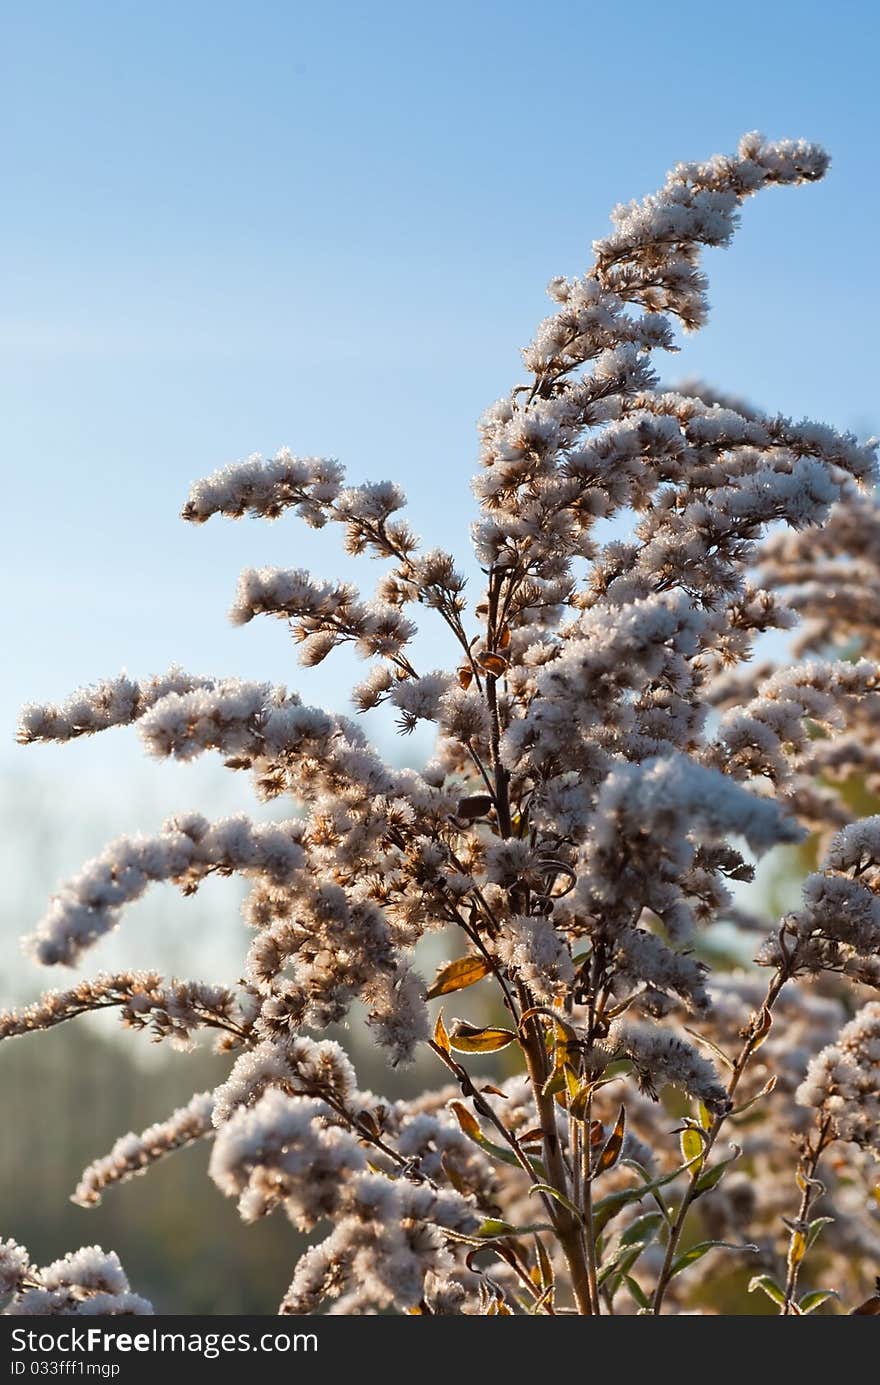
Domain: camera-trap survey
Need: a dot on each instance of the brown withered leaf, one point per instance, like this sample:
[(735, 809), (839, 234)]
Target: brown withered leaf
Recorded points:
[(465, 676), (464, 971), (869, 1309), (533, 1136), (476, 805), (761, 1029), (614, 1144), (496, 664)]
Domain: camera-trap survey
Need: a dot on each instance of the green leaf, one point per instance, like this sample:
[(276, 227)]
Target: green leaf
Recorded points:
[(555, 1083), (695, 1253), (810, 1302), (769, 1286), (622, 1262), (642, 1230), (638, 1293), (710, 1178), (559, 1197), (814, 1230), (609, 1206), (492, 1228)]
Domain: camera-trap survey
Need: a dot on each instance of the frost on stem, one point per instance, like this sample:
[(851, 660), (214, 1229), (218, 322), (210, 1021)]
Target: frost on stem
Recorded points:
[(609, 758)]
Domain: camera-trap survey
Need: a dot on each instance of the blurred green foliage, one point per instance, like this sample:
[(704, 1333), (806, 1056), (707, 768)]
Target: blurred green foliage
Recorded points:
[(65, 1098)]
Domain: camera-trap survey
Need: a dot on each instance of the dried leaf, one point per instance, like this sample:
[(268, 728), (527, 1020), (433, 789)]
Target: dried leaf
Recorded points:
[(765, 1091), (465, 676), (469, 1124), (578, 1104), (533, 1136), (869, 1309), (761, 1029), (454, 1177), (465, 971), (476, 805), (441, 1038), (494, 664), (469, 1038), (611, 1153), (548, 1278)]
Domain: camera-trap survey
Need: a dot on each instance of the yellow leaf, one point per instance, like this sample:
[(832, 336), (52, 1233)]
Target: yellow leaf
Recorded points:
[(469, 1124), (465, 971), (468, 1038), (578, 1104), (441, 1038), (691, 1148), (797, 1248), (572, 1081)]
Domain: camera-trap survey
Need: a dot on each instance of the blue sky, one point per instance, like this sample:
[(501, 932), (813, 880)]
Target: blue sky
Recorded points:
[(236, 226)]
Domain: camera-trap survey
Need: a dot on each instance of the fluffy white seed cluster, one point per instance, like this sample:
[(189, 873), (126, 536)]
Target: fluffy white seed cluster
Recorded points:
[(267, 488), (113, 702), (89, 1282), (134, 1154), (837, 928), (843, 1081), (287, 1151), (185, 852)]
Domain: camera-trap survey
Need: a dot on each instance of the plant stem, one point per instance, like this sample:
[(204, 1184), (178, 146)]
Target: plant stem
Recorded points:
[(810, 1190), (754, 1037), (568, 1229)]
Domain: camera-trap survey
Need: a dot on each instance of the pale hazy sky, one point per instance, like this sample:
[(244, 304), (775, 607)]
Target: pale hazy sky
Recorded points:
[(231, 227)]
